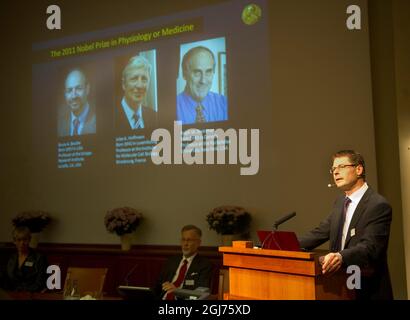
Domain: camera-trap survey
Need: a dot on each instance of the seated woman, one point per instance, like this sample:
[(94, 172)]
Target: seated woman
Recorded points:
[(26, 269)]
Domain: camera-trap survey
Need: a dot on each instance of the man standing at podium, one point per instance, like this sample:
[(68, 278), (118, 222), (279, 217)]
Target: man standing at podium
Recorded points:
[(358, 228), (188, 271)]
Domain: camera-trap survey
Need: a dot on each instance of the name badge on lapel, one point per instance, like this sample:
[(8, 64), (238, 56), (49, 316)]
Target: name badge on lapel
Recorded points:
[(189, 282), (28, 263), (352, 232)]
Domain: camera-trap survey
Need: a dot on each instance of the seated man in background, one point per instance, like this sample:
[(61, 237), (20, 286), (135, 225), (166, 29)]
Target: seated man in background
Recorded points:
[(26, 269), (188, 271)]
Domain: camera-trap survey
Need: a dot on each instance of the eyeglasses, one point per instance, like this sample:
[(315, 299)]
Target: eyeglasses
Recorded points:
[(341, 166)]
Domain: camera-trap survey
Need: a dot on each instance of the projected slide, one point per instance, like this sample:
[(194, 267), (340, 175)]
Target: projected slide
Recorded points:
[(99, 96)]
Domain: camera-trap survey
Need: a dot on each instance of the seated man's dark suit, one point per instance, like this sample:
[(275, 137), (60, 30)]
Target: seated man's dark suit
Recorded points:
[(199, 274), (366, 242)]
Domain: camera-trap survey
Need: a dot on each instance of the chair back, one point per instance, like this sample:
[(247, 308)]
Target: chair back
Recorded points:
[(223, 285), (90, 280)]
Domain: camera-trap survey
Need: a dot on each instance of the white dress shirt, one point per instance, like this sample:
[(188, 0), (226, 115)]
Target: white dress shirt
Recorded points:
[(355, 197)]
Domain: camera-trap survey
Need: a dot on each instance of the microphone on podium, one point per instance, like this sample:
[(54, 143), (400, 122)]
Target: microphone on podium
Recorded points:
[(283, 219), (331, 185), (276, 237)]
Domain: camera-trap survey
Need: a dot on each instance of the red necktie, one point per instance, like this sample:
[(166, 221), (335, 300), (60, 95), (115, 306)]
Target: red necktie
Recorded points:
[(179, 280)]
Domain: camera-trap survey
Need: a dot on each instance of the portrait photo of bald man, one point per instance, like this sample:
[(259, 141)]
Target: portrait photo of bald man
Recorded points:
[(76, 116)]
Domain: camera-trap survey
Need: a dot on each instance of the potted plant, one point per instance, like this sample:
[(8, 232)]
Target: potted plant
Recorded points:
[(35, 220), (229, 221), (123, 221)]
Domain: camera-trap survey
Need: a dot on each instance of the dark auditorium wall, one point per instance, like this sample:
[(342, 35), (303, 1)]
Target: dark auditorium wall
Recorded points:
[(389, 34), (324, 99)]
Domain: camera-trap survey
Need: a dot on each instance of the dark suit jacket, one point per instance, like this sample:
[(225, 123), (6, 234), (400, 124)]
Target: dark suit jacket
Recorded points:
[(148, 114), (32, 276), (65, 118), (200, 272), (4, 295), (366, 247)]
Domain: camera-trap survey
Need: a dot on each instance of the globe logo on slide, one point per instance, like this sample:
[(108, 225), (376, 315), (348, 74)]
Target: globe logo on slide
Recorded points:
[(251, 14)]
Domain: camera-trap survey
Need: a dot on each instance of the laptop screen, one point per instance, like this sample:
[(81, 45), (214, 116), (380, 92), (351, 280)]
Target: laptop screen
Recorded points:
[(278, 240)]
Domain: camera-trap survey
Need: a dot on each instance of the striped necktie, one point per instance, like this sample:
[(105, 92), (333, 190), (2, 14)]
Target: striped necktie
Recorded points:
[(199, 114), (138, 122), (76, 125)]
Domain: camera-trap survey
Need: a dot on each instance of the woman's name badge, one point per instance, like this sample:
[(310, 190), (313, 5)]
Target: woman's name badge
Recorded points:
[(352, 232), (28, 263)]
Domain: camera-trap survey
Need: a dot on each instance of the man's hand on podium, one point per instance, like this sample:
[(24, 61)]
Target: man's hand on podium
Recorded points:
[(331, 263)]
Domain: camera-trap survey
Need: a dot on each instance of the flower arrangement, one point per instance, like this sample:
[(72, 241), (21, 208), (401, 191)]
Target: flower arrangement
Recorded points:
[(35, 220), (229, 220), (122, 220)]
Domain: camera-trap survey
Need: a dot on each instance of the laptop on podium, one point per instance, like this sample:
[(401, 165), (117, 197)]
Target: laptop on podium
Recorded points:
[(278, 240)]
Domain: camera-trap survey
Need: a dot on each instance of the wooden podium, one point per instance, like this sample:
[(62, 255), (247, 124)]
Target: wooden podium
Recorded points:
[(280, 275)]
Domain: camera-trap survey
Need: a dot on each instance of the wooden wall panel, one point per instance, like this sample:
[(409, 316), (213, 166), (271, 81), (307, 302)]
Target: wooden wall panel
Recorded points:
[(147, 260)]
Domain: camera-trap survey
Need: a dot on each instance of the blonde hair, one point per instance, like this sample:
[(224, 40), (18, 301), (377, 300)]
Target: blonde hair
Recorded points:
[(137, 62)]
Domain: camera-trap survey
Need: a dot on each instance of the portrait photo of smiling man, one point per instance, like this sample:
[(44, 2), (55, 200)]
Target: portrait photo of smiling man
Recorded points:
[(77, 117), (137, 109), (201, 99)]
